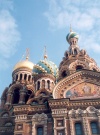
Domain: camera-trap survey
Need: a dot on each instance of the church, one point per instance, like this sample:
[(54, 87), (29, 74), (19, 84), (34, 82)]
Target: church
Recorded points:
[(45, 100)]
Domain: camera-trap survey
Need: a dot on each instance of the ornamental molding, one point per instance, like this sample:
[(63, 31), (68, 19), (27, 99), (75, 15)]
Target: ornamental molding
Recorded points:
[(39, 120), (59, 111), (21, 117), (45, 75), (89, 112), (68, 103), (28, 109)]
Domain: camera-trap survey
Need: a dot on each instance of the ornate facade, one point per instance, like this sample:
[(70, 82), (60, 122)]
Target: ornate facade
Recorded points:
[(45, 100)]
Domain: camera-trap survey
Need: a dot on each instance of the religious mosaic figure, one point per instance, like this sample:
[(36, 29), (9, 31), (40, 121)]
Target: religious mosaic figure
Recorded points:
[(72, 93), (86, 90)]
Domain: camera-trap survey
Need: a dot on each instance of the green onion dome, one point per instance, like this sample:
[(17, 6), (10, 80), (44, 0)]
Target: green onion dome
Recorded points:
[(45, 66), (72, 35)]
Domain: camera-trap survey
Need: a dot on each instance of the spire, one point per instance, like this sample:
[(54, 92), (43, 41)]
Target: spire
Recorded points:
[(27, 54), (70, 28), (45, 53)]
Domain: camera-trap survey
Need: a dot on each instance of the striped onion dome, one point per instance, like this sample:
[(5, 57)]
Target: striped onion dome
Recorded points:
[(45, 66), (72, 34)]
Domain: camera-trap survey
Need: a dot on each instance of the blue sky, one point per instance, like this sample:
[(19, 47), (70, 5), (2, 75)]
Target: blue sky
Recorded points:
[(34, 24)]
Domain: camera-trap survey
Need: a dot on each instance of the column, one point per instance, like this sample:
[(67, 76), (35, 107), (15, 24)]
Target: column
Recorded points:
[(55, 127), (66, 132), (22, 97), (86, 127), (99, 122), (72, 129), (9, 98)]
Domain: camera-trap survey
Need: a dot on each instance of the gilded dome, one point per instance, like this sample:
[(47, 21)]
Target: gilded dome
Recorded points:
[(24, 64), (45, 66), (72, 35)]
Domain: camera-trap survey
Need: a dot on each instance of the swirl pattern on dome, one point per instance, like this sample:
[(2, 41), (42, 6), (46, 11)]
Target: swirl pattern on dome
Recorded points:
[(45, 66), (72, 35)]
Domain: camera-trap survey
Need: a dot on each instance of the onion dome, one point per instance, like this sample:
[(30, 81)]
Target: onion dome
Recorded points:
[(45, 66), (72, 34), (24, 64)]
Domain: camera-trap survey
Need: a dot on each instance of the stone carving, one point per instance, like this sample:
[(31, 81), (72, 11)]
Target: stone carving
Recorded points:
[(39, 119)]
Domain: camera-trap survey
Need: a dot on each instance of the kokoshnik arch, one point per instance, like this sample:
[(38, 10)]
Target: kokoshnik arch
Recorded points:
[(45, 100)]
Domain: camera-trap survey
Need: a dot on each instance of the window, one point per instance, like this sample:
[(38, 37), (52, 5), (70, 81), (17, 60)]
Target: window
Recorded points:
[(16, 77), (39, 130), (94, 127), (64, 74), (48, 84), (29, 77), (25, 76), (75, 51), (38, 85), (60, 123), (16, 96), (8, 124), (78, 129), (79, 67), (20, 76), (5, 115)]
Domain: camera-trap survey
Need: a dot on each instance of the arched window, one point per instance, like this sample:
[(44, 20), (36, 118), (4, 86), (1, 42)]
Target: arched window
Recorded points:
[(29, 77), (78, 129), (75, 51), (94, 127), (25, 76), (5, 115), (16, 96), (94, 69), (8, 124), (64, 74), (48, 84), (39, 130), (38, 85), (28, 94), (20, 76), (79, 67), (16, 77), (43, 83), (34, 103)]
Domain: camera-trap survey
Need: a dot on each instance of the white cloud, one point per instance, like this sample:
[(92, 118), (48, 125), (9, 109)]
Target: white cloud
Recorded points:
[(84, 16), (9, 34)]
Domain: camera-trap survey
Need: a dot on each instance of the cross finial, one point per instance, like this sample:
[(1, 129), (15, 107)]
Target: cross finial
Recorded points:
[(70, 28), (27, 54), (45, 53)]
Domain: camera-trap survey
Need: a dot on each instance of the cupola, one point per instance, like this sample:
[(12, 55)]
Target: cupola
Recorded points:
[(45, 73), (22, 71)]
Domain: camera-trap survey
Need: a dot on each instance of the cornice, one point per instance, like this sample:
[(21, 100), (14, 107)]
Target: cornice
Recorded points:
[(27, 109), (70, 103)]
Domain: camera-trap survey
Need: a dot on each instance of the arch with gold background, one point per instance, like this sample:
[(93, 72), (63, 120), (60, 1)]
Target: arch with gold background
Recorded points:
[(78, 82)]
